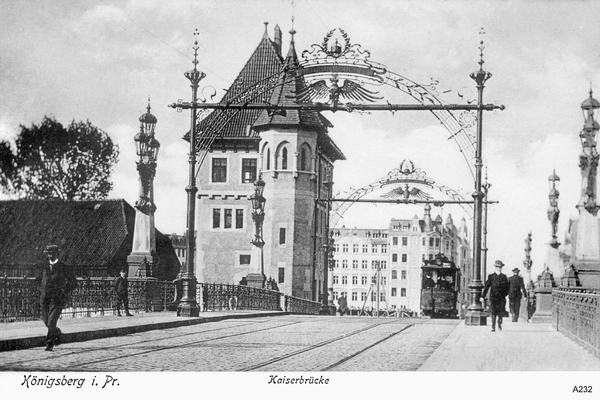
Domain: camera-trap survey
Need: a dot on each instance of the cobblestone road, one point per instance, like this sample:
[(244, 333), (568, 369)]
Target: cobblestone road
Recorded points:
[(283, 343)]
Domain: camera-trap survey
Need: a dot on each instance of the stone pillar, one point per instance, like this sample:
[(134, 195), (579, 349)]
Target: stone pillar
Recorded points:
[(543, 294)]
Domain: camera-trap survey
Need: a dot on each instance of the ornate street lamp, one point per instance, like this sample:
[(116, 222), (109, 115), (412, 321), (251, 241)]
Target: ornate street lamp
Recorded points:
[(144, 241), (486, 187), (553, 211), (188, 306), (256, 276), (588, 160)]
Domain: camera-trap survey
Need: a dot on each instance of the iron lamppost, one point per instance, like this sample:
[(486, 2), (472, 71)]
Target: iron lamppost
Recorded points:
[(256, 276), (553, 211), (144, 240)]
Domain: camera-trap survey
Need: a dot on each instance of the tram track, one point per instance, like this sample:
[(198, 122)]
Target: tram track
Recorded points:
[(325, 343), (55, 355)]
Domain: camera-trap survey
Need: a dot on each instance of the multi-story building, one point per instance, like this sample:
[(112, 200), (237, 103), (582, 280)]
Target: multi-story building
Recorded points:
[(396, 255), (295, 156)]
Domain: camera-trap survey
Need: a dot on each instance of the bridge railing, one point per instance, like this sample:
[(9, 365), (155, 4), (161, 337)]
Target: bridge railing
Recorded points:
[(576, 313), (20, 298), (297, 305)]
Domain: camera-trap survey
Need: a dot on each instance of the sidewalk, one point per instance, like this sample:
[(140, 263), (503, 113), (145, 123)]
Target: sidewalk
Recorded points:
[(22, 335), (518, 347)]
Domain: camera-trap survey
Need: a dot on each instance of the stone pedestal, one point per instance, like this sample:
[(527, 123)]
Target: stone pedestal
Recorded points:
[(586, 254), (140, 265), (543, 295), (256, 280)]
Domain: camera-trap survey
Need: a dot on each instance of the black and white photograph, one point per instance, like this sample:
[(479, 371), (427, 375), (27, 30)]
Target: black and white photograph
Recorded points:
[(291, 198)]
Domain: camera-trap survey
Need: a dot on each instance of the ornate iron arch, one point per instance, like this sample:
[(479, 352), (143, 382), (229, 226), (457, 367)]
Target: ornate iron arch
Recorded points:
[(406, 182)]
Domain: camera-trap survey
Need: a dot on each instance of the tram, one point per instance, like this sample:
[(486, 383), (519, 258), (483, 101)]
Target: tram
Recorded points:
[(440, 285)]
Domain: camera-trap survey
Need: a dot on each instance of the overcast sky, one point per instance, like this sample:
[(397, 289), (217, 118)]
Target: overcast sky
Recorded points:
[(100, 60)]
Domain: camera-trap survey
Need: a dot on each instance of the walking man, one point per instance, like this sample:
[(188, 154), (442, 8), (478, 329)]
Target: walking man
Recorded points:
[(517, 288), (120, 285), (343, 304), (497, 284), (57, 282)]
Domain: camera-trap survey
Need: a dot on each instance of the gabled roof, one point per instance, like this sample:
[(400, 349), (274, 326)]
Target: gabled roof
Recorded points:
[(90, 234), (264, 64)]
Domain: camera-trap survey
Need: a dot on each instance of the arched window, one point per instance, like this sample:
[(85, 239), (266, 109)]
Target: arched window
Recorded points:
[(268, 159), (303, 160), (284, 158)]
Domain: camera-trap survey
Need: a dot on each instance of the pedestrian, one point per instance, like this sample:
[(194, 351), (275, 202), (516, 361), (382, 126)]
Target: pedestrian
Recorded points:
[(342, 304), (516, 290), (57, 281), (120, 285), (205, 297), (497, 284)]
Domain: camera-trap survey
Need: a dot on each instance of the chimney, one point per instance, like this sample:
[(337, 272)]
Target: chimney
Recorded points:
[(277, 39)]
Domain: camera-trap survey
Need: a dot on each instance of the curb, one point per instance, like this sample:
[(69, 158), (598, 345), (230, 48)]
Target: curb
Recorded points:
[(37, 341)]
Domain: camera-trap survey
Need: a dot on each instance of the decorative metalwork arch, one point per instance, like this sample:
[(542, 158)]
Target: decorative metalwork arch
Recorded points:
[(404, 175)]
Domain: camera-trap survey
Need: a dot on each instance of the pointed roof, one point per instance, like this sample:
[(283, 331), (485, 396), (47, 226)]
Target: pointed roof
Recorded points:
[(263, 64), (291, 82)]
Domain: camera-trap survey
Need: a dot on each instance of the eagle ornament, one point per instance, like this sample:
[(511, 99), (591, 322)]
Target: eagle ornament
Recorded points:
[(406, 193), (349, 90)]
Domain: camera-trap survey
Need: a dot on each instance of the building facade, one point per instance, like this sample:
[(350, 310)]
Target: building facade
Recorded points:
[(294, 156), (393, 257)]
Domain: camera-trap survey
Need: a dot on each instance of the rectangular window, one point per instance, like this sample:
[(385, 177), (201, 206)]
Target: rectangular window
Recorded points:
[(344, 280), (335, 279), (365, 248), (437, 242), (373, 296), (383, 280), (281, 235), (355, 264), (335, 295), (405, 241), (344, 263), (403, 274), (404, 257), (394, 274), (228, 216), (354, 296), (365, 264), (344, 248), (394, 257), (248, 170), (424, 242), (337, 263), (355, 280), (281, 275), (216, 218), (363, 280), (382, 296), (393, 292), (363, 296), (402, 292), (239, 219), (337, 248), (430, 242), (395, 241), (384, 248), (383, 264), (244, 259), (355, 248), (219, 170), (374, 248)]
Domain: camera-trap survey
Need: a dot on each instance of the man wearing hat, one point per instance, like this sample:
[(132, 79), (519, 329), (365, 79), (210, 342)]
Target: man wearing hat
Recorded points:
[(497, 284), (57, 282), (120, 286), (517, 288)]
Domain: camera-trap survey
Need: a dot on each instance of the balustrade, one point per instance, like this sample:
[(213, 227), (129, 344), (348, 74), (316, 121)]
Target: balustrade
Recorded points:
[(576, 313)]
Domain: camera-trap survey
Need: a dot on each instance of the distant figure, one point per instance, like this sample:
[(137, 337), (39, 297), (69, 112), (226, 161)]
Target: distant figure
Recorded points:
[(428, 282), (516, 290), (342, 304), (442, 283), (497, 284), (120, 286), (57, 283), (204, 297)]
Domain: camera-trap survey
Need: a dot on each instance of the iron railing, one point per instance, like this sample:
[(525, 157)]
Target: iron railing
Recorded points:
[(19, 298), (576, 313)]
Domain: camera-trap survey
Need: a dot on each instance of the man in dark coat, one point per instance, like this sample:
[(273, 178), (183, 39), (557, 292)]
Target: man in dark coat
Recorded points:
[(517, 288), (343, 304), (57, 282), (120, 285), (497, 284)]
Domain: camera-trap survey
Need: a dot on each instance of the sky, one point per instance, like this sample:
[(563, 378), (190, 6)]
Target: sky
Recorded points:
[(101, 61)]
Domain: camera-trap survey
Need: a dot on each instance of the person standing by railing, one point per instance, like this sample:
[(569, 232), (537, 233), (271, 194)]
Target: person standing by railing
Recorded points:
[(120, 285), (57, 282)]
